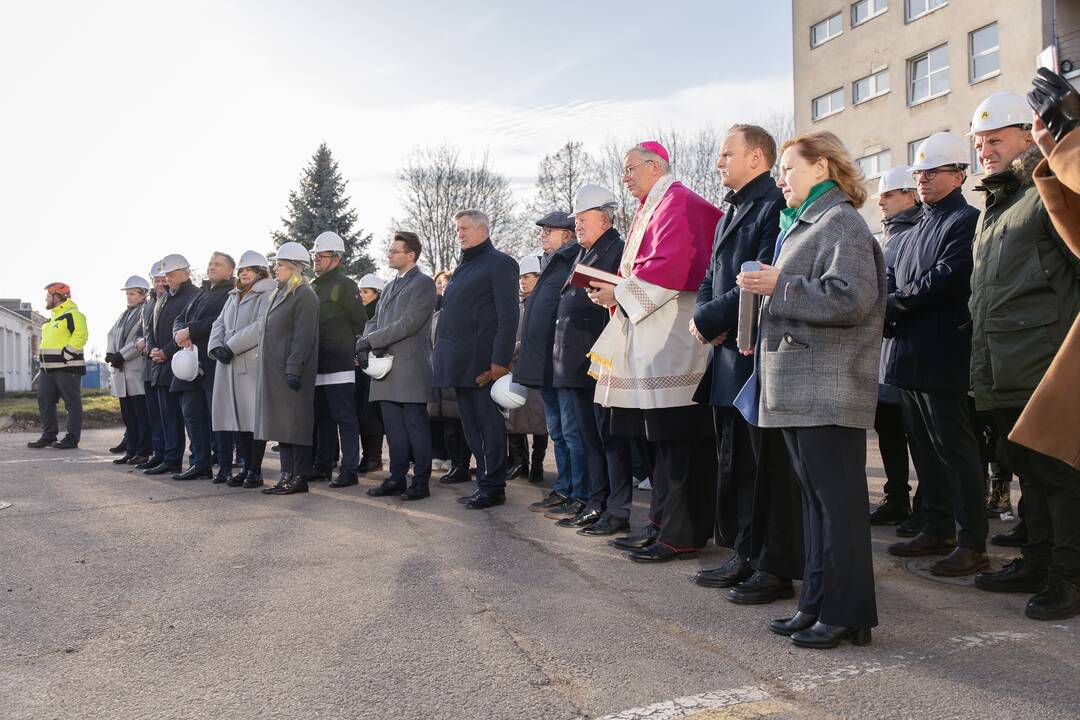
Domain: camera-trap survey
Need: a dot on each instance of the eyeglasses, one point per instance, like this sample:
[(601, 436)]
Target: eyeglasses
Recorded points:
[(631, 168), (395, 251), (545, 231), (322, 255), (931, 174)]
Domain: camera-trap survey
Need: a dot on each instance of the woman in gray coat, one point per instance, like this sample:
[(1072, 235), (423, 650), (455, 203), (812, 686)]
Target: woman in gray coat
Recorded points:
[(234, 341), (816, 378), (123, 354), (285, 410)]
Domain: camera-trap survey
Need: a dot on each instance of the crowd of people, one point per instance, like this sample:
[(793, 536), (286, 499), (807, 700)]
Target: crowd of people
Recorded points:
[(739, 355)]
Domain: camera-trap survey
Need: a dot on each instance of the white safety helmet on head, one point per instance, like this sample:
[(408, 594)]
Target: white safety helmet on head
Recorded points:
[(185, 364), (252, 259), (329, 241), (136, 282), (898, 177), (941, 149), (175, 261), (379, 367), (508, 394), (156, 271), (371, 281), (1001, 110), (295, 252), (591, 197), (529, 264)]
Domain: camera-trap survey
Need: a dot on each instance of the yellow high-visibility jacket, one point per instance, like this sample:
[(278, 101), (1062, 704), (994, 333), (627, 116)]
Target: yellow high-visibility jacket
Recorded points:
[(62, 340)]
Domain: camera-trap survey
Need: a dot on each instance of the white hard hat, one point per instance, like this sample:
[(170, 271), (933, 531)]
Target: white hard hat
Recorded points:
[(898, 177), (329, 241), (1000, 110), (379, 367), (529, 264), (252, 259), (294, 251), (174, 261), (508, 394), (156, 271), (185, 364), (942, 149), (136, 282), (589, 197), (371, 281)]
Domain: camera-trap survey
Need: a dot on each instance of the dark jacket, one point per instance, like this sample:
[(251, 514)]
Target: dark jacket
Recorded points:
[(578, 320), (747, 232), (534, 366), (168, 308), (1025, 289), (341, 320), (926, 310), (896, 230), (198, 318), (479, 318)]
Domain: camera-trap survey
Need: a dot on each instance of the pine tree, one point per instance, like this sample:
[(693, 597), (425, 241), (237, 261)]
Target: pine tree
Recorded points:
[(320, 205)]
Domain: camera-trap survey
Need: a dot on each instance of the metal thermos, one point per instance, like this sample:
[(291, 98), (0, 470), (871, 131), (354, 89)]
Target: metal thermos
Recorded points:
[(748, 311)]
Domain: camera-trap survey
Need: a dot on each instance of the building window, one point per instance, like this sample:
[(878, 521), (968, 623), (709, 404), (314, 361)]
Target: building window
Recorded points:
[(869, 87), (912, 148), (828, 104), (915, 9), (873, 166), (928, 75), (866, 9), (827, 29), (983, 44)]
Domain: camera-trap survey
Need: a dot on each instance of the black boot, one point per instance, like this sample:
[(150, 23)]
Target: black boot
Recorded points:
[(294, 484), (253, 480), (822, 637), (539, 450), (517, 462), (1059, 600), (40, 443), (237, 480), (456, 474)]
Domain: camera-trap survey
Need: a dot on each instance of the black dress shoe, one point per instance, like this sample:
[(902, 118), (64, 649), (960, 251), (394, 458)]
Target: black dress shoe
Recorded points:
[(455, 475), (585, 518), (960, 562), (318, 474), (760, 589), (1015, 537), (137, 460), (293, 485), (415, 493), (731, 573), (486, 500), (68, 443), (641, 539), (550, 501), (370, 465), (275, 448), (517, 470), (150, 462), (194, 473), (162, 469), (1016, 577), (253, 480), (386, 489), (283, 480), (890, 512), (40, 443), (221, 478), (343, 480), (569, 508), (822, 637), (121, 448), (123, 460), (923, 544), (658, 553), (466, 498), (796, 623), (606, 525), (911, 527), (1059, 600)]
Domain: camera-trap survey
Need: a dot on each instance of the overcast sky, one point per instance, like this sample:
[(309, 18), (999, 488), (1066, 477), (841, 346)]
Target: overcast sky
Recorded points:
[(135, 129)]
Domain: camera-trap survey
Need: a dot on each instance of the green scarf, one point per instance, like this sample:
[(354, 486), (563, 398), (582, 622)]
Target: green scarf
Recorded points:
[(788, 216)]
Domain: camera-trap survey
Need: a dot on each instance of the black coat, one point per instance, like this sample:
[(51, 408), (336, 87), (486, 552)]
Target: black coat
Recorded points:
[(478, 323), (927, 308), (169, 307), (341, 320), (198, 318), (747, 232), (897, 230), (534, 366), (578, 320)]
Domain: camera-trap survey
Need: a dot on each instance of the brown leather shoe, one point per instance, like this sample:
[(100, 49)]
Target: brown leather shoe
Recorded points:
[(922, 544), (960, 562)]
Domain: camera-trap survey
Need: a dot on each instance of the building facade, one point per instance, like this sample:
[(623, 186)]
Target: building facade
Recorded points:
[(20, 335), (884, 74)]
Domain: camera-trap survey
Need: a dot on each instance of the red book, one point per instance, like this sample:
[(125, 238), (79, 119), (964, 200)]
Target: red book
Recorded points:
[(583, 275)]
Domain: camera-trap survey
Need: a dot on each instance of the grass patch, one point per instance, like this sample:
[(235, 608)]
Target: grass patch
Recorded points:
[(100, 409)]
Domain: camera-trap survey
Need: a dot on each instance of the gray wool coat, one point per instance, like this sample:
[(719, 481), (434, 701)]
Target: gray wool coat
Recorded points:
[(127, 381), (820, 330), (236, 384), (402, 328), (289, 346)]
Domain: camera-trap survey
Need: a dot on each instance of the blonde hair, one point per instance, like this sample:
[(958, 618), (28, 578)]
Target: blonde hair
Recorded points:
[(842, 169)]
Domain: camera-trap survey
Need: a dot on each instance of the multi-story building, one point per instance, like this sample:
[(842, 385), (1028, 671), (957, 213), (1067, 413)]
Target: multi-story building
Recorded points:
[(885, 74), (20, 335)]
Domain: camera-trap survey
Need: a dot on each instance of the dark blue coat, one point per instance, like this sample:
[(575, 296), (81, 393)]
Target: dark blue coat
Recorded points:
[(198, 318), (477, 327), (927, 308), (168, 308), (534, 366), (578, 320), (897, 230), (747, 232)]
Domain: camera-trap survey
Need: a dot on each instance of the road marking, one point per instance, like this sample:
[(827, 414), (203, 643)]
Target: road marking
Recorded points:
[(694, 705)]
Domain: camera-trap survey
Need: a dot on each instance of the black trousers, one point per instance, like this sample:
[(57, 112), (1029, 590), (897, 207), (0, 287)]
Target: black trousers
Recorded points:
[(838, 584), (408, 433), (893, 444), (592, 445), (776, 526), (251, 451), (952, 482), (295, 459), (136, 417), (485, 431), (685, 472), (736, 471), (1051, 503), (335, 419), (52, 387), (618, 460), (157, 435), (456, 445)]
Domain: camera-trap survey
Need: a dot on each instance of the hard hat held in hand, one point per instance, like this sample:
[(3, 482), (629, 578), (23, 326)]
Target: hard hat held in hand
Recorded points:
[(185, 364), (1001, 110), (379, 367), (508, 394), (941, 149), (329, 242), (295, 252), (897, 178)]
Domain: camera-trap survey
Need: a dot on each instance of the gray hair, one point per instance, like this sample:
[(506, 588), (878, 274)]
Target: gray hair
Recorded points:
[(609, 213), (646, 154), (476, 216), (226, 256)]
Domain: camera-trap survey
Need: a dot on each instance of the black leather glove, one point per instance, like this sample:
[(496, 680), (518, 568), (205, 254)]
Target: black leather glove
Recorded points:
[(223, 354), (1056, 102), (362, 345), (362, 359), (293, 381)]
